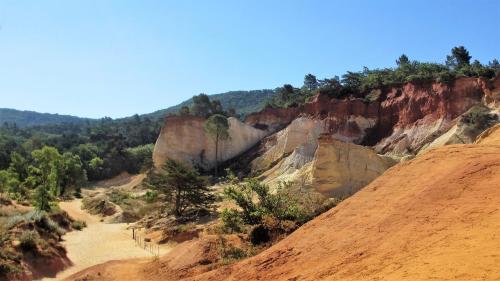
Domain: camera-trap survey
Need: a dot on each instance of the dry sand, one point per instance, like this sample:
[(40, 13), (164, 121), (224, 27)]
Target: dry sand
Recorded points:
[(99, 242)]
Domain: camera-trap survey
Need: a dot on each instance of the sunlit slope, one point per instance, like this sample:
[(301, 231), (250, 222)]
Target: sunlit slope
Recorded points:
[(436, 217)]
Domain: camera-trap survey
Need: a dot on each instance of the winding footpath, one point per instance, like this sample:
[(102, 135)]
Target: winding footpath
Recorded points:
[(99, 242)]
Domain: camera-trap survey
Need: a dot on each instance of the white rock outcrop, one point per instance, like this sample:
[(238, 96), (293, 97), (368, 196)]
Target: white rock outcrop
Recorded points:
[(340, 168), (183, 138)]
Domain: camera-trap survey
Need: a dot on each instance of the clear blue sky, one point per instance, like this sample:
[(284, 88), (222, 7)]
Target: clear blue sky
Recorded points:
[(116, 58)]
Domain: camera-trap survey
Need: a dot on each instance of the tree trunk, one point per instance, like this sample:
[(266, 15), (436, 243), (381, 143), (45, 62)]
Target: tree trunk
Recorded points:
[(217, 154), (178, 202)]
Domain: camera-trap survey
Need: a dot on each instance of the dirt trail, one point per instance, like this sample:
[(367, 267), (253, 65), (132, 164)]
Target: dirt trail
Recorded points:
[(99, 242)]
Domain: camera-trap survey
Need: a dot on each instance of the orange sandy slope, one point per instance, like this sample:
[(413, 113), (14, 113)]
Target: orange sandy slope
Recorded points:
[(435, 217)]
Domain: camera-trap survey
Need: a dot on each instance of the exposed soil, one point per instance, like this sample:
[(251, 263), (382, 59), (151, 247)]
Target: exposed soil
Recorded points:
[(436, 217), (99, 242)]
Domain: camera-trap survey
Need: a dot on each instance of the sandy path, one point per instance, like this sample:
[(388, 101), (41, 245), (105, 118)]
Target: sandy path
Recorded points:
[(99, 242)]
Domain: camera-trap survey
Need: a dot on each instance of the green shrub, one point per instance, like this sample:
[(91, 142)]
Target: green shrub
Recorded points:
[(7, 268), (150, 196), (278, 205), (29, 240), (139, 158), (271, 214), (445, 77), (78, 225), (14, 220), (231, 220), (118, 197)]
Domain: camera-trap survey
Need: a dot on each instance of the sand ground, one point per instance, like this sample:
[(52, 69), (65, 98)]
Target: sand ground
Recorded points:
[(99, 242)]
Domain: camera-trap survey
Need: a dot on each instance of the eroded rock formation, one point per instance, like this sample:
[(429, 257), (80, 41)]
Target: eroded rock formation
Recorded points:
[(184, 138), (404, 120), (340, 168), (435, 217)]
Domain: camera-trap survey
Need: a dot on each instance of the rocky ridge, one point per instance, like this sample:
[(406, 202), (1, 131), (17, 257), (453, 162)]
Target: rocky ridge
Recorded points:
[(403, 121)]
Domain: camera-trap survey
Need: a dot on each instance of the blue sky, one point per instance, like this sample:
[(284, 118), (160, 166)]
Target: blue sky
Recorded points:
[(116, 58)]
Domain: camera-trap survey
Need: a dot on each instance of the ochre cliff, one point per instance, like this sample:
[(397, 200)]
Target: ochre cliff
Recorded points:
[(303, 153), (340, 168), (300, 132), (184, 138), (403, 120)]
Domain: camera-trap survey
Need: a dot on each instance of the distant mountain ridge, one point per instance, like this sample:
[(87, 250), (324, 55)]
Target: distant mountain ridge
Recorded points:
[(26, 118), (243, 102)]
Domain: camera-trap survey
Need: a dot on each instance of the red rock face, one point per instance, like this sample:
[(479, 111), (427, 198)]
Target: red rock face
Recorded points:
[(412, 104)]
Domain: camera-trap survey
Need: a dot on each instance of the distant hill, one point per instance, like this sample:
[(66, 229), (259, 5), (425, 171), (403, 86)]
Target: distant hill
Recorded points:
[(243, 102), (24, 118)]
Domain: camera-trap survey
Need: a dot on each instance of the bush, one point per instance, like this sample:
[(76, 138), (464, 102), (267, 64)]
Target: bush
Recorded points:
[(150, 196), (359, 84), (7, 268), (118, 197), (78, 225), (272, 215), (231, 221), (480, 117), (279, 207), (139, 158), (29, 240), (445, 77)]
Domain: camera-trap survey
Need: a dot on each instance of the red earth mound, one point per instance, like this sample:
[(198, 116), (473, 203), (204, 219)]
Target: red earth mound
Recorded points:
[(436, 217)]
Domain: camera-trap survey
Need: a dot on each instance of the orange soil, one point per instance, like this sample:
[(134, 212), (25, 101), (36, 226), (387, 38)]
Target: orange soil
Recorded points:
[(435, 217)]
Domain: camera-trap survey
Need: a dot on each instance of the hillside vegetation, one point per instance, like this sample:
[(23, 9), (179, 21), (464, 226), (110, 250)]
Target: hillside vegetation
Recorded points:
[(360, 84), (243, 102), (32, 118)]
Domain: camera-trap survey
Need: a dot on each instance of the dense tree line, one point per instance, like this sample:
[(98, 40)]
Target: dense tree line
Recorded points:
[(359, 84), (101, 150)]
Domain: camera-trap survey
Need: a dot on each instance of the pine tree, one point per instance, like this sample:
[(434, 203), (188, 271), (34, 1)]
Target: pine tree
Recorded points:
[(182, 185), (217, 126)]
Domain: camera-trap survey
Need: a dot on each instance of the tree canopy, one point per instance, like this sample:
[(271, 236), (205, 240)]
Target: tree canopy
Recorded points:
[(183, 187)]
